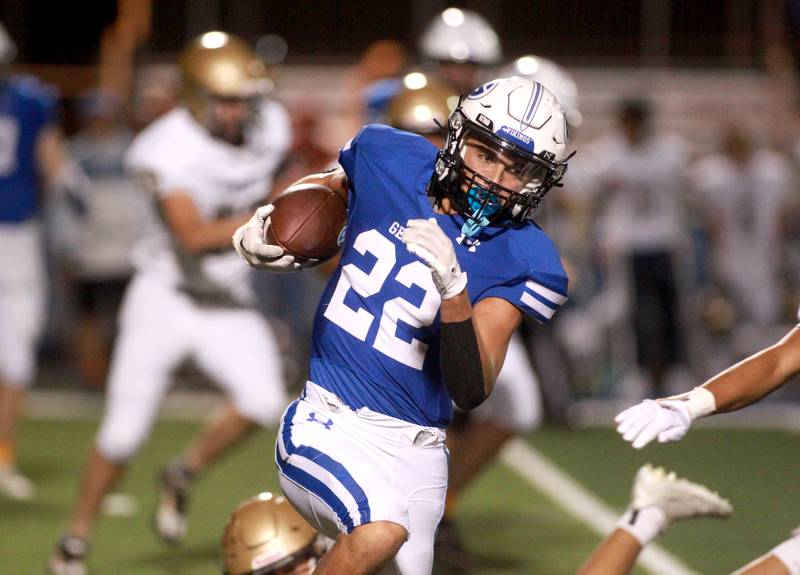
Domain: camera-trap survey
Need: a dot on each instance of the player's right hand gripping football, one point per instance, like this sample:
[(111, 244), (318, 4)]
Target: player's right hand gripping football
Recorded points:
[(248, 240), (667, 419), (426, 240)]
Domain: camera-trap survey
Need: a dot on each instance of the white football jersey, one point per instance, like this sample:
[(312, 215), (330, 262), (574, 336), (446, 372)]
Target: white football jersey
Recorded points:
[(746, 203), (640, 189), (177, 154)]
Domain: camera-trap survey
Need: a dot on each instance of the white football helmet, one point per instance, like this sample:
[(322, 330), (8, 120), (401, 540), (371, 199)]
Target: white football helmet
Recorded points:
[(514, 121), (554, 78), (461, 36)]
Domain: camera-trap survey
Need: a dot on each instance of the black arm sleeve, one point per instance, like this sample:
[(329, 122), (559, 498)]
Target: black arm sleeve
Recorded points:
[(460, 361)]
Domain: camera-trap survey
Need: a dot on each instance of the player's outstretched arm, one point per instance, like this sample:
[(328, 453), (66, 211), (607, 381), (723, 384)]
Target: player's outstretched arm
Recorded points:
[(658, 499), (745, 383), (249, 239), (473, 342)]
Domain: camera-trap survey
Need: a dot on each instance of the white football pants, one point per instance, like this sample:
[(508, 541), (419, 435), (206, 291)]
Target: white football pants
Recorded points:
[(342, 468), (22, 301), (160, 327)]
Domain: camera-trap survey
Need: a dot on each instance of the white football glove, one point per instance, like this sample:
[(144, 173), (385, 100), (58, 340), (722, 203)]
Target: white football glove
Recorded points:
[(426, 240), (667, 419), (248, 241)]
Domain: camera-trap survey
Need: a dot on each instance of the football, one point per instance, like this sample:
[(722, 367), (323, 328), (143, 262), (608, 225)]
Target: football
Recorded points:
[(307, 222)]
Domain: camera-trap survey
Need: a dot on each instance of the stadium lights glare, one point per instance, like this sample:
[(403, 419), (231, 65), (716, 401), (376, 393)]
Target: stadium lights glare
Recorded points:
[(213, 39), (453, 17), (422, 113), (527, 65), (415, 81)]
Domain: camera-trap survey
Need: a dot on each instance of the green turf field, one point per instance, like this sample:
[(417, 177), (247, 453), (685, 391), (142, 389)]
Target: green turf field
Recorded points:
[(756, 470), (512, 527)]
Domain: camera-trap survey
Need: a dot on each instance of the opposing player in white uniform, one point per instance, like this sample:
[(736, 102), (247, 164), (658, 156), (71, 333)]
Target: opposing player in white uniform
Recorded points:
[(668, 419), (638, 176), (205, 165), (746, 191), (33, 159), (401, 331)]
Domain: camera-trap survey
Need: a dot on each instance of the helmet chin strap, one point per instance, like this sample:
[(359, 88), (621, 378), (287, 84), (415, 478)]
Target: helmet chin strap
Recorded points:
[(472, 227), (479, 217)]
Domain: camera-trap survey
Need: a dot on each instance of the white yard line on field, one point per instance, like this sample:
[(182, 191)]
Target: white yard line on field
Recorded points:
[(545, 476)]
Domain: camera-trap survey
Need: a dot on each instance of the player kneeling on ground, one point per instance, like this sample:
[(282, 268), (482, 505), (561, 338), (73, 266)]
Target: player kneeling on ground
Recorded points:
[(266, 536), (440, 260)]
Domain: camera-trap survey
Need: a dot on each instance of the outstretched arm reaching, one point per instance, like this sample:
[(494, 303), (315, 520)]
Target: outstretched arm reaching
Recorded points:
[(747, 382)]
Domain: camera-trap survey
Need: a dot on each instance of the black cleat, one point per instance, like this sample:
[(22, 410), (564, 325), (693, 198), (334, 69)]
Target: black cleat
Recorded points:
[(69, 557), (170, 519)]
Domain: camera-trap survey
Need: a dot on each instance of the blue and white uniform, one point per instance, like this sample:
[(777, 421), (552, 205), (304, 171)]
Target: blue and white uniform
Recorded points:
[(516, 401), (365, 441), (27, 108)]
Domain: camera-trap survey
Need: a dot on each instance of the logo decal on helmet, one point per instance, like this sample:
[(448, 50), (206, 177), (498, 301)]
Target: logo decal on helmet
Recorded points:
[(523, 141), (482, 90)]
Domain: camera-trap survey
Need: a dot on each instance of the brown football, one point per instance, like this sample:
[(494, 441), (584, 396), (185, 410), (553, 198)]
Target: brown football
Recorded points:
[(307, 222)]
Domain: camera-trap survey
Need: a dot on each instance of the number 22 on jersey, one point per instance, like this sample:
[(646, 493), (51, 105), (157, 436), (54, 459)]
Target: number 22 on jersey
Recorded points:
[(357, 322)]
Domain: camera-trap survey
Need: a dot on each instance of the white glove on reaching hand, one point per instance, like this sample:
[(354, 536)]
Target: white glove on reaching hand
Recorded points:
[(248, 241), (426, 240), (668, 419)]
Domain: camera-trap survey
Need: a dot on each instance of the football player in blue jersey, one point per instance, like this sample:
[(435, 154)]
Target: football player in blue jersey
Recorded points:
[(515, 407), (440, 260), (32, 159)]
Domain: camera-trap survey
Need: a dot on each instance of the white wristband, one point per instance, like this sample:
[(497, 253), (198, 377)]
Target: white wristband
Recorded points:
[(699, 401)]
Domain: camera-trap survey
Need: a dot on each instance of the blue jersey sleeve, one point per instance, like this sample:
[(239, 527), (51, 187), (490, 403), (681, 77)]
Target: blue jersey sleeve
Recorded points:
[(540, 286)]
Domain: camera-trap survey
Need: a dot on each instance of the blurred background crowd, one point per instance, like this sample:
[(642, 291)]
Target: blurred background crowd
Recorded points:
[(679, 219)]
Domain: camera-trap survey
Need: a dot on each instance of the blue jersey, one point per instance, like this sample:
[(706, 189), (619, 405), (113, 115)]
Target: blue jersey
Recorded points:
[(26, 107), (376, 332)]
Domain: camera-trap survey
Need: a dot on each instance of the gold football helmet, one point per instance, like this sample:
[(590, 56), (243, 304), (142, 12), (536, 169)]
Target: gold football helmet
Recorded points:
[(219, 67), (421, 103), (265, 535)]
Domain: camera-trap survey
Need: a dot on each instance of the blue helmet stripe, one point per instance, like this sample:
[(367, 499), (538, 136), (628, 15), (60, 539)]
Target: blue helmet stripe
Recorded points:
[(534, 103)]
